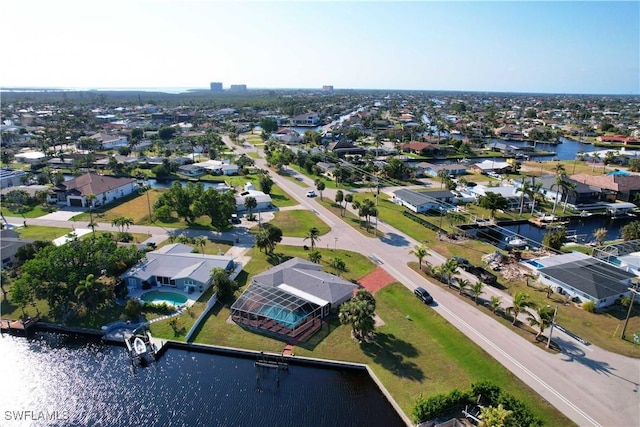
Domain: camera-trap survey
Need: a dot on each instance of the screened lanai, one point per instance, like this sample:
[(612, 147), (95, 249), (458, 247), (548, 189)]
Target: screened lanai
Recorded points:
[(277, 310)]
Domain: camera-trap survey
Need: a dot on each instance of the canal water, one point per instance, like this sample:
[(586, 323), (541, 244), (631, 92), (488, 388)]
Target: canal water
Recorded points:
[(54, 379), (583, 228)]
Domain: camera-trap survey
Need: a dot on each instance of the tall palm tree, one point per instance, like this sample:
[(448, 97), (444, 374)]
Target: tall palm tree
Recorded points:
[(90, 198), (519, 305), (420, 251), (524, 189), (542, 318), (313, 236), (250, 203), (568, 188), (599, 235), (595, 156), (557, 185)]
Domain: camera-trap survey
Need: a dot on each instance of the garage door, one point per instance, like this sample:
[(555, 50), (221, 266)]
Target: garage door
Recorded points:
[(76, 202)]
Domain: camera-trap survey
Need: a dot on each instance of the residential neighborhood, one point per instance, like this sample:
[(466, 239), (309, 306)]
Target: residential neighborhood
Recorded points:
[(285, 224)]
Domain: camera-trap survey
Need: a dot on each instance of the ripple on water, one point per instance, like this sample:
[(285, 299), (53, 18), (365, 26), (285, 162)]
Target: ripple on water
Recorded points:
[(93, 383)]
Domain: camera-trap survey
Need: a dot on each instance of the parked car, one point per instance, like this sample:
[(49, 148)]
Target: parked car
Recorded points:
[(463, 263), (311, 193), (235, 219), (423, 295)]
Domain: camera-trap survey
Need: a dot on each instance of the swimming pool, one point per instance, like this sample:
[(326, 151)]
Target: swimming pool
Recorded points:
[(536, 264), (158, 297), (285, 317)]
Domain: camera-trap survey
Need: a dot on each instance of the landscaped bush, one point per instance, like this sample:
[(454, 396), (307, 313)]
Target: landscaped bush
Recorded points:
[(440, 404), (589, 306), (489, 394), (132, 309), (421, 221), (160, 308)]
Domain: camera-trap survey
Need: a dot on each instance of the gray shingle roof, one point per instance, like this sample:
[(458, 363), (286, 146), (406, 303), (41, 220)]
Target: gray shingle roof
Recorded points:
[(591, 276), (307, 277)]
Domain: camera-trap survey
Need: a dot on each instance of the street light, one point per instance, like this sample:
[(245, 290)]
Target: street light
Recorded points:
[(335, 243)]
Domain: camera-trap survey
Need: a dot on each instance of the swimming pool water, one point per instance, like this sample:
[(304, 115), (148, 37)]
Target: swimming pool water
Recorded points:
[(534, 263), (285, 317), (158, 297)]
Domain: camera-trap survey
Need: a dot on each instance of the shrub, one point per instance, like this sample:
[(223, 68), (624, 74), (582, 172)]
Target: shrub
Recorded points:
[(132, 309), (589, 306), (439, 404)]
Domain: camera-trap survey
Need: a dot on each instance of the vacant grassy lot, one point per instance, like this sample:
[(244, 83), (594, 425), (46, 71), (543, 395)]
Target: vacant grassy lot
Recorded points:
[(297, 223), (135, 207), (38, 232), (570, 166)]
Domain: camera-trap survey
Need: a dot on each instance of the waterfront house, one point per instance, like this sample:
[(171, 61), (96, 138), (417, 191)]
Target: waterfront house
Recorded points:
[(191, 170), (291, 298), (287, 136), (344, 147), (584, 278), (430, 169), (33, 158), (626, 187), (507, 191), (219, 167), (580, 194), (106, 189), (110, 141), (421, 148), (306, 119), (423, 201), (176, 266), (487, 166)]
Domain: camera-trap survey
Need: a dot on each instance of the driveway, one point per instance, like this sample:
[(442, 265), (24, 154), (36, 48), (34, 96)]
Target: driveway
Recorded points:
[(64, 214)]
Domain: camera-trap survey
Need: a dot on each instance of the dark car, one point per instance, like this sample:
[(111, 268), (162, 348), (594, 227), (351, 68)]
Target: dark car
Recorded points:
[(463, 263), (423, 295)]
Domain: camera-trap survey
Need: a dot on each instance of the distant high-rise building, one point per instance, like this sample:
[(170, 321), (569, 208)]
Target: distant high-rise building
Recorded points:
[(238, 88), (216, 87), (327, 88)]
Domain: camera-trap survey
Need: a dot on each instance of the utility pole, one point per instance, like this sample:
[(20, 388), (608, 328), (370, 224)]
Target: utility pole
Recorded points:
[(634, 291), (553, 322)]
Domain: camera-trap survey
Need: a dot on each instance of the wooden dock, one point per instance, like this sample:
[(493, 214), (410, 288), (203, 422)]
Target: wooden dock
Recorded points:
[(18, 327)]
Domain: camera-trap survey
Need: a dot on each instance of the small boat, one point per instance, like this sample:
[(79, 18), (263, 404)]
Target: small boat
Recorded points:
[(139, 346), (516, 242)]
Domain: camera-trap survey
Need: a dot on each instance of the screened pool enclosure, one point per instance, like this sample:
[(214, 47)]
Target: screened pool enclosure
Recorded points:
[(275, 310)]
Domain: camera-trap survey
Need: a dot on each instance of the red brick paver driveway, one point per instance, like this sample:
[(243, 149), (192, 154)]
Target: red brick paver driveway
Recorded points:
[(376, 280)]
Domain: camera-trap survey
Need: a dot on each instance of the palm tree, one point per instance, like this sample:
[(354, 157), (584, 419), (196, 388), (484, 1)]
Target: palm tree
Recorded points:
[(339, 199), (338, 264), (420, 251), (525, 189), (250, 203), (121, 222), (312, 235), (359, 314), (356, 206), (543, 318), (519, 305), (557, 185), (462, 285), (443, 175), (568, 188), (315, 256), (599, 235), (495, 303), (320, 186), (497, 416), (90, 198), (595, 156), (202, 242), (90, 293), (477, 290), (448, 270)]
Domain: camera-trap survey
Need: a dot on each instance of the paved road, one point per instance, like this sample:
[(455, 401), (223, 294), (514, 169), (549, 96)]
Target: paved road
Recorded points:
[(589, 385)]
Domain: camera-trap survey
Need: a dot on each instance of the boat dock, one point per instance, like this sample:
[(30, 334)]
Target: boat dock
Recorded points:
[(18, 327), (271, 361)]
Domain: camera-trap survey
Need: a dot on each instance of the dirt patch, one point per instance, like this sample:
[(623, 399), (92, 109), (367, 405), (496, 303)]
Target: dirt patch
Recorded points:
[(376, 280)]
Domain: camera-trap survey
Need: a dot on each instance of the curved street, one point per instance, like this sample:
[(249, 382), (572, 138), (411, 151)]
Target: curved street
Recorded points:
[(591, 386)]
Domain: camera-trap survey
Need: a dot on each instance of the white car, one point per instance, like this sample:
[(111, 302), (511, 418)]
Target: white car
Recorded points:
[(311, 193)]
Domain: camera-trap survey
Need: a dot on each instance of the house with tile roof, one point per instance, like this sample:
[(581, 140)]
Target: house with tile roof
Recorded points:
[(626, 187), (176, 266), (107, 189)]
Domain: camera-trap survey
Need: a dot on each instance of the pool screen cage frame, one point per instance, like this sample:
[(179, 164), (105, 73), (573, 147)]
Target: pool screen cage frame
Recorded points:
[(616, 249), (249, 308)]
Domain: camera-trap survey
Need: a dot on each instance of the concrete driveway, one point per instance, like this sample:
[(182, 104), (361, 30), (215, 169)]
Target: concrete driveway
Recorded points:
[(64, 214)]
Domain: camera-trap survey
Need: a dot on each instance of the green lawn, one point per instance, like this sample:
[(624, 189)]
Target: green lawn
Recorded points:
[(39, 232), (35, 212), (352, 219), (297, 223)]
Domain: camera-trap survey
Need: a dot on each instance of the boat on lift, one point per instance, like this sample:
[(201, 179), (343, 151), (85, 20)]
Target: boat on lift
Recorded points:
[(516, 242)]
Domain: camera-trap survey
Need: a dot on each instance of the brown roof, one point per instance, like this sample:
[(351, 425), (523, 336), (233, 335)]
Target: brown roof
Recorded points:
[(92, 183), (619, 183), (419, 146)]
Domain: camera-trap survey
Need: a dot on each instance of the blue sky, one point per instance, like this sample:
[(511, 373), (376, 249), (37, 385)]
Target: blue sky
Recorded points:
[(542, 46)]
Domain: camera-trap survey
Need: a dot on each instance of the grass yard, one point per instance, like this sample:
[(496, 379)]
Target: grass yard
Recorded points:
[(35, 212), (409, 361), (571, 167), (352, 219), (297, 223), (135, 207), (40, 232)]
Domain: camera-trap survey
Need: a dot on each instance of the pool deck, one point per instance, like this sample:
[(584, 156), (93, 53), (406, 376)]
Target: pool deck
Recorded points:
[(191, 298)]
